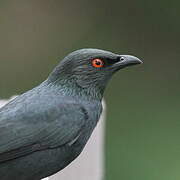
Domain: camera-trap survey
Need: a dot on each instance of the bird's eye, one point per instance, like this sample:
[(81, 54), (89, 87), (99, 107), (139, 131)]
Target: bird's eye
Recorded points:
[(97, 63)]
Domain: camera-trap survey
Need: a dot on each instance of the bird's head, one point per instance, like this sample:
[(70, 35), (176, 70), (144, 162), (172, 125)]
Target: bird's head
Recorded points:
[(91, 68)]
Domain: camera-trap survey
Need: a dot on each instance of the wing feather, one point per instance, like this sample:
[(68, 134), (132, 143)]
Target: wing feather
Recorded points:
[(23, 134)]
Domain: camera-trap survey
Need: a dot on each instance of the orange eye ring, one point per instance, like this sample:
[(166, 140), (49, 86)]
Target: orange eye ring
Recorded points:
[(98, 63)]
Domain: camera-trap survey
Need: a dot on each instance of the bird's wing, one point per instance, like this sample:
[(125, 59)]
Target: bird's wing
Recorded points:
[(49, 129)]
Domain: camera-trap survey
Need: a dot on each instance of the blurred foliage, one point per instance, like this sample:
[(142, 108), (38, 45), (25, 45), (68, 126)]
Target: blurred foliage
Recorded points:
[(143, 126)]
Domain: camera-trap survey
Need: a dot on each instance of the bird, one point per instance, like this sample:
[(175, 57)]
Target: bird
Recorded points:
[(44, 129)]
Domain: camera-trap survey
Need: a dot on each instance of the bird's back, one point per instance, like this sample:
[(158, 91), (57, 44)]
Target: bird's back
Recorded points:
[(26, 120)]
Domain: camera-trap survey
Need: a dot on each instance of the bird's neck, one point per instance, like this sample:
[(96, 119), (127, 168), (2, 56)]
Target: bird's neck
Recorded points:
[(71, 88)]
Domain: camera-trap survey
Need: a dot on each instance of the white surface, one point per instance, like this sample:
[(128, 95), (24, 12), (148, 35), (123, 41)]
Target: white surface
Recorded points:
[(89, 165), (5, 101)]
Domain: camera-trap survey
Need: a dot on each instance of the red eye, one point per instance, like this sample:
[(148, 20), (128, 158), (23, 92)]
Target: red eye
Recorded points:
[(97, 63)]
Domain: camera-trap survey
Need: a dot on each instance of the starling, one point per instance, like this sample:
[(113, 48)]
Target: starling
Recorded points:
[(47, 127)]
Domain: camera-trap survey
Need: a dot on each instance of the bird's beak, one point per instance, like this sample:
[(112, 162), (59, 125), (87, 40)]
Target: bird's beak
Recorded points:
[(127, 60)]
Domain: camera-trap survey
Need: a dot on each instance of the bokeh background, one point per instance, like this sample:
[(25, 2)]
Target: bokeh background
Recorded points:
[(143, 102)]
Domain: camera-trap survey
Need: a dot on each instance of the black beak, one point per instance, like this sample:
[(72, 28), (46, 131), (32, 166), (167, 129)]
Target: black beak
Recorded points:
[(127, 60)]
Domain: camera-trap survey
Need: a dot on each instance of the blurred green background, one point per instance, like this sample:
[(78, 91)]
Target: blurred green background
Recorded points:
[(143, 121)]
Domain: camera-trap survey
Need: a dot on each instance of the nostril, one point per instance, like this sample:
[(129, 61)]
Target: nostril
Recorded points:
[(122, 58)]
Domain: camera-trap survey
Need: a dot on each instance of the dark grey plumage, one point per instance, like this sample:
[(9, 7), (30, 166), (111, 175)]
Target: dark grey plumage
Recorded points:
[(46, 128)]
